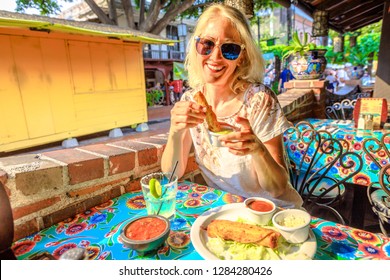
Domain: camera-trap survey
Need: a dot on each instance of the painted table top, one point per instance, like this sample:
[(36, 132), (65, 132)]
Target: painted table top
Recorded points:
[(98, 231), (345, 129)]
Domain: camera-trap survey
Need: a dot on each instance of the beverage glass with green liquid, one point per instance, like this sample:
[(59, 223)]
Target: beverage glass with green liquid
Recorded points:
[(160, 194)]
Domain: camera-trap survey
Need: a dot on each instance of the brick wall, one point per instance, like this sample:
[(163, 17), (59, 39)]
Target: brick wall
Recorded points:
[(47, 188)]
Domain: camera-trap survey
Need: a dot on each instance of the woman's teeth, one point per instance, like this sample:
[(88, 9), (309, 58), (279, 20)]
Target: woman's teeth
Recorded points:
[(215, 68)]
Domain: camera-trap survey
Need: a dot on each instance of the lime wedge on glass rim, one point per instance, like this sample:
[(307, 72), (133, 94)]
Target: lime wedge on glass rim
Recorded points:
[(155, 188)]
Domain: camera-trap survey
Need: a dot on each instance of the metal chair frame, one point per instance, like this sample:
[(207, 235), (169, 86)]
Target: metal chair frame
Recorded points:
[(308, 175), (384, 184), (341, 110)]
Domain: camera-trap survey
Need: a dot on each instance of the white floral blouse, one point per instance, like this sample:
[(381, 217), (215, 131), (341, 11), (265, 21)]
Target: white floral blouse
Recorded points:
[(235, 174)]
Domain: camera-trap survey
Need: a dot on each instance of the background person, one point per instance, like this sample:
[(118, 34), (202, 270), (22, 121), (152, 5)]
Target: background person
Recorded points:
[(223, 62), (285, 76)]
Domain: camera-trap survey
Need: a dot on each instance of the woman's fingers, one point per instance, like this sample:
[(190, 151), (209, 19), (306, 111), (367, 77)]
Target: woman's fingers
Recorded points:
[(186, 114)]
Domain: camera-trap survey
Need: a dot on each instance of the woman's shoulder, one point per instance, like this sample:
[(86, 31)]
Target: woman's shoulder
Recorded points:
[(258, 91), (189, 93)]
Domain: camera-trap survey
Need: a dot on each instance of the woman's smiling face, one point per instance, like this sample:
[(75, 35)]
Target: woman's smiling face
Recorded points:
[(216, 69)]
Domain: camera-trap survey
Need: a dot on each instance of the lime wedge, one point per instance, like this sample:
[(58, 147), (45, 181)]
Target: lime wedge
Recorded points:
[(155, 188)]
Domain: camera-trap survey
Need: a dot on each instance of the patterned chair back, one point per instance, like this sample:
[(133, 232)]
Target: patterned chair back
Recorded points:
[(378, 194), (319, 167)]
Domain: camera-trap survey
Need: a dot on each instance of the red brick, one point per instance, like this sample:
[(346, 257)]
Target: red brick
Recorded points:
[(152, 140), (147, 157), (92, 189), (191, 165), (320, 84), (39, 181), (63, 214), (147, 154), (102, 198), (19, 212), (3, 177), (119, 160), (25, 229), (33, 174), (133, 185), (302, 84), (82, 166)]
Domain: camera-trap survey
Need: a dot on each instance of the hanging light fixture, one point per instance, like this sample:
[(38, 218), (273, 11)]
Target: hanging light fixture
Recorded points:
[(320, 23), (245, 6), (352, 41), (338, 44)]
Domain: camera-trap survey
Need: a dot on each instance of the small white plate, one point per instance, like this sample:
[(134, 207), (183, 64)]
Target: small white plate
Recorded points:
[(233, 212)]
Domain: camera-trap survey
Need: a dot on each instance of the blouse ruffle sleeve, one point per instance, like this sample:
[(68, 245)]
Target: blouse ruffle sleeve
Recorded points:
[(265, 114)]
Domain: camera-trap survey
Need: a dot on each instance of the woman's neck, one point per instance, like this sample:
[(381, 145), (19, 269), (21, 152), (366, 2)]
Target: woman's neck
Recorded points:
[(222, 99)]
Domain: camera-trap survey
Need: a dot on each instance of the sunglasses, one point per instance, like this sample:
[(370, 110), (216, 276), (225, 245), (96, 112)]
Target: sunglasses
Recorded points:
[(230, 51)]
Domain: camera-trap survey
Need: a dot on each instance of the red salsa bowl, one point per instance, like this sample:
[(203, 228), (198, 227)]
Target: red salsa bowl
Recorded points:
[(145, 233)]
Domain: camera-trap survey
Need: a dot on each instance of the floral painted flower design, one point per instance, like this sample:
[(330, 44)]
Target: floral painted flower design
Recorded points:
[(62, 249), (210, 196), (201, 189), (361, 179), (75, 228), (136, 202), (232, 198), (105, 205), (178, 239), (371, 251), (93, 252), (88, 213), (365, 236), (98, 218), (23, 247), (195, 195), (178, 223), (334, 233), (192, 203), (183, 187)]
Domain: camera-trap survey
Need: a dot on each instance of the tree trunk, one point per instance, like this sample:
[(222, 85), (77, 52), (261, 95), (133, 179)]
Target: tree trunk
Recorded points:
[(112, 11), (128, 10), (172, 12), (141, 11), (99, 12)]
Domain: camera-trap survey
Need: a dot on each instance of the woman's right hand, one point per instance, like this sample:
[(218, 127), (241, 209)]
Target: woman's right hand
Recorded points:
[(186, 114)]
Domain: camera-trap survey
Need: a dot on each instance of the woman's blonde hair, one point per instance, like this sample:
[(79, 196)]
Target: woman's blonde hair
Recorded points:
[(251, 68)]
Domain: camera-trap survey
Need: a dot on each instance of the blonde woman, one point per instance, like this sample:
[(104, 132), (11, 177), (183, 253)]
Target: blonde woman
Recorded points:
[(225, 64)]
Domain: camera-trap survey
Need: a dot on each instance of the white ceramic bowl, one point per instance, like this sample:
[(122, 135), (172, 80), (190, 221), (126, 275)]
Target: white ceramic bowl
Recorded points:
[(214, 136), (293, 224), (260, 210)]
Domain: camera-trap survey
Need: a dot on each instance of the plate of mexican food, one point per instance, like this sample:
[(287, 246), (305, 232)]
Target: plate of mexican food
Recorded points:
[(227, 233)]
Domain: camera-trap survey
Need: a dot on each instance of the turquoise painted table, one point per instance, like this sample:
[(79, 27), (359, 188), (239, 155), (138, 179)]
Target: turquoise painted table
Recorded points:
[(98, 231), (345, 129)]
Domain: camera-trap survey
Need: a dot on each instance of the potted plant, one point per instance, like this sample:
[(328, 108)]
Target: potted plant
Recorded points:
[(306, 61)]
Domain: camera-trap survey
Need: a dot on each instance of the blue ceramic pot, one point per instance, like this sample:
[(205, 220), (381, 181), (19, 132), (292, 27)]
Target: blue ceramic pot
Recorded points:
[(309, 66)]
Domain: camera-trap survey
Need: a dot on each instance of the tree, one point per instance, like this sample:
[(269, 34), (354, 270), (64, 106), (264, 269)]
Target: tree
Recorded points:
[(148, 12)]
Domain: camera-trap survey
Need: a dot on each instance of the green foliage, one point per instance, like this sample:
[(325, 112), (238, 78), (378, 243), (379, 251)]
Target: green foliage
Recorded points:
[(296, 45), (277, 50), (46, 7), (154, 97), (334, 57)]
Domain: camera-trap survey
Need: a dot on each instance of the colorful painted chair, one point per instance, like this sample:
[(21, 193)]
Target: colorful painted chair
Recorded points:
[(319, 167)]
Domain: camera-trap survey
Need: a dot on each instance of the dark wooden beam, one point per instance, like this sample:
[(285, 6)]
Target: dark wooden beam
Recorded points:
[(356, 17), (365, 22), (360, 12)]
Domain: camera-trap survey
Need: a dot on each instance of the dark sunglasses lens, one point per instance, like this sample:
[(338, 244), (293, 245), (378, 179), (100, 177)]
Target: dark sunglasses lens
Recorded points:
[(204, 46), (230, 51)]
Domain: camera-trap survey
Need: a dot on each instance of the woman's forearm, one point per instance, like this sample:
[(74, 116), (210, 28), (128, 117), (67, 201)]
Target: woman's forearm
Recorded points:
[(177, 149), (271, 175)]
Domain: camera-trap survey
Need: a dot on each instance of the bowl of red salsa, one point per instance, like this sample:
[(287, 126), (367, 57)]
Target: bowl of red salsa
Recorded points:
[(260, 210), (145, 234)]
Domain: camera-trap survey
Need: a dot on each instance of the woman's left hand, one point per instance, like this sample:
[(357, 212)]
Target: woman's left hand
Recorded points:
[(243, 141)]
